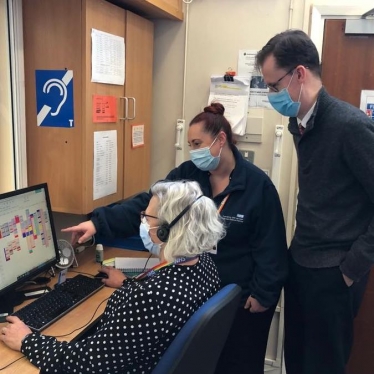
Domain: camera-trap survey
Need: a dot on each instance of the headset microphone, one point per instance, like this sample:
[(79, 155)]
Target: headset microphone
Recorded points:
[(163, 230)]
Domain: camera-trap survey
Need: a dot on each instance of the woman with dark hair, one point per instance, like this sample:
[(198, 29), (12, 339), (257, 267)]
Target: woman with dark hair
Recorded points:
[(253, 253)]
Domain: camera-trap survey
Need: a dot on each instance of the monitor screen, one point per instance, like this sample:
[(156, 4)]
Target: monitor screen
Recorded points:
[(28, 243)]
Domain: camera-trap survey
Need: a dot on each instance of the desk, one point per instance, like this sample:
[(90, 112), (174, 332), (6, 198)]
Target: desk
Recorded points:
[(77, 317)]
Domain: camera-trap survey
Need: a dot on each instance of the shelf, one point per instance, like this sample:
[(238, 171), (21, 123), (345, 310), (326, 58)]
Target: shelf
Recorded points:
[(167, 9)]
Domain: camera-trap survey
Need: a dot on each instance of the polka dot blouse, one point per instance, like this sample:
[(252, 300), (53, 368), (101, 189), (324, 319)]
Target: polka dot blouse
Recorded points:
[(140, 321)]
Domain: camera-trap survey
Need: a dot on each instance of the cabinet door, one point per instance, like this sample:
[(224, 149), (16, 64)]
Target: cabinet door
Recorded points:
[(138, 85), (106, 17), (53, 41)]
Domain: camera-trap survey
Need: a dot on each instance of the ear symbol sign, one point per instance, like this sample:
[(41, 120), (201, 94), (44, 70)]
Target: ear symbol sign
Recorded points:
[(63, 92)]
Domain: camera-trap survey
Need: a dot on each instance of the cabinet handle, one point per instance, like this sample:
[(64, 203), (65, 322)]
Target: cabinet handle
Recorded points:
[(134, 108), (126, 108)]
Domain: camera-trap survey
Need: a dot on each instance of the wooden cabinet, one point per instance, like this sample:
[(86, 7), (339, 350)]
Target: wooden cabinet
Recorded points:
[(57, 36), (168, 9)]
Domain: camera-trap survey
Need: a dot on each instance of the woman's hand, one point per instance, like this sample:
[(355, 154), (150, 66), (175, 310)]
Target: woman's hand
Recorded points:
[(13, 334), (115, 277), (82, 232)]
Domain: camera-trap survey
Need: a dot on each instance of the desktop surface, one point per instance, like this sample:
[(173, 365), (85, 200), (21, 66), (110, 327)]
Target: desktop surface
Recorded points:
[(78, 318)]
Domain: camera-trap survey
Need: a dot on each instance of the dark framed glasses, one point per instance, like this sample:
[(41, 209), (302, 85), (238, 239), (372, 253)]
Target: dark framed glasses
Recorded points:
[(143, 216), (273, 86)]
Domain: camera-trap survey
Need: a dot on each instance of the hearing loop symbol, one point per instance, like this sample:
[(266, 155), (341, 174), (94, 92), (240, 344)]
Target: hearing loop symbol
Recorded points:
[(63, 92)]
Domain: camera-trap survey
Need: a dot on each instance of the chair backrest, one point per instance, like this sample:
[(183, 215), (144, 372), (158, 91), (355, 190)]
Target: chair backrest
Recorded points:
[(198, 345)]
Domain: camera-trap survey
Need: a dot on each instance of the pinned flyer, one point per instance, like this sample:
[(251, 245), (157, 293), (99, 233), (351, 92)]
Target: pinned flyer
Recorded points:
[(137, 136), (234, 96)]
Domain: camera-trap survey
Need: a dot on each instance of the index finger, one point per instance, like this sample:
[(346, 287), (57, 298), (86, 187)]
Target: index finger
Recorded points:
[(71, 229)]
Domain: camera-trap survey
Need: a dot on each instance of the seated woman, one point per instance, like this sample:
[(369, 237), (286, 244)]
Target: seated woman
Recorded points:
[(143, 315)]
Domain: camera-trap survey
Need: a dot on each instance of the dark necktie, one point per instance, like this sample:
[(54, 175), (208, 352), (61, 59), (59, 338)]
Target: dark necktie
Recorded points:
[(301, 129)]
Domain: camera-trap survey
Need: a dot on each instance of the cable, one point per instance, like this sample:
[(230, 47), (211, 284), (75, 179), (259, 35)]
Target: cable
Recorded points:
[(61, 336), (145, 265), (4, 367)]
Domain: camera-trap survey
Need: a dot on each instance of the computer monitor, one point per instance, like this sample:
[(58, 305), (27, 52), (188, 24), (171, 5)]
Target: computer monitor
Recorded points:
[(28, 244)]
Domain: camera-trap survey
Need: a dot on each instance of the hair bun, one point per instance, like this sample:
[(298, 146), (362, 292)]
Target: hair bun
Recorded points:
[(215, 108)]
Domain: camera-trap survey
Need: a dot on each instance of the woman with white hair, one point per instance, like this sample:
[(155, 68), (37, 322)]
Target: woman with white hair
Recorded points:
[(144, 314)]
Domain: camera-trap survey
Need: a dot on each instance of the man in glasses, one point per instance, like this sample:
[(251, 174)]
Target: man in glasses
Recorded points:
[(333, 245)]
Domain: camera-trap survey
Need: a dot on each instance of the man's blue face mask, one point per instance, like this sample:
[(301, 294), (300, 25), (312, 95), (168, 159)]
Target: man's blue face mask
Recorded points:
[(282, 102)]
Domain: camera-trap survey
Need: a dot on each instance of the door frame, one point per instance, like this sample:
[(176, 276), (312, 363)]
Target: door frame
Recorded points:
[(18, 91), (319, 13)]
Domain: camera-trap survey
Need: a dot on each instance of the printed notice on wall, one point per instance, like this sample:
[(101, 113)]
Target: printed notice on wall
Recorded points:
[(234, 97), (137, 136), (105, 164), (367, 103), (258, 90), (104, 109), (108, 58)]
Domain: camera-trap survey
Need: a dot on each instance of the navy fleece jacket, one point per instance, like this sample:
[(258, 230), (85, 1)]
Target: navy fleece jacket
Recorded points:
[(253, 253)]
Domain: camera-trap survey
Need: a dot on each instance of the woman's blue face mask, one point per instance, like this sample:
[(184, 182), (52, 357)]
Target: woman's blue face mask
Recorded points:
[(203, 159), (282, 102), (147, 241)]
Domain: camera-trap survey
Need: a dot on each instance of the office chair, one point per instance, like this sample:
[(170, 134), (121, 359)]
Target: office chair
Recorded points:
[(198, 345)]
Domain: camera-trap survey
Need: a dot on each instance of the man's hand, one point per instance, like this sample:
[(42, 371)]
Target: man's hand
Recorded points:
[(82, 232), (13, 334), (115, 277), (254, 306)]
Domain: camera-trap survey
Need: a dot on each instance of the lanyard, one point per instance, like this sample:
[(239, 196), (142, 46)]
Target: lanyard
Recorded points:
[(223, 202), (152, 271)]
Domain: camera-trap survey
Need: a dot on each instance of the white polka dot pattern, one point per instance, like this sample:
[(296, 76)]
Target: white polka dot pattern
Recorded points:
[(140, 321)]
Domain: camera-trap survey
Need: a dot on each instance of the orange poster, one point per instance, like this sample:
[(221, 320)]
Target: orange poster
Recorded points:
[(104, 109)]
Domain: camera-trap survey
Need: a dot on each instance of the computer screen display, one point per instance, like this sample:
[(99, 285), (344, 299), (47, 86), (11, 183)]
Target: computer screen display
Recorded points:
[(28, 243)]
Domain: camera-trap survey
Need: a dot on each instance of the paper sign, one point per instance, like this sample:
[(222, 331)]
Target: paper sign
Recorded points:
[(234, 97), (105, 164), (108, 58), (104, 109), (137, 136)]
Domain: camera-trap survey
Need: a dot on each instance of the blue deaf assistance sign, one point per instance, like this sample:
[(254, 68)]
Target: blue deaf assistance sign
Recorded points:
[(54, 98)]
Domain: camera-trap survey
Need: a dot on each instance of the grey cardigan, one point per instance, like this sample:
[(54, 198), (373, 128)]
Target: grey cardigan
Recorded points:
[(335, 212)]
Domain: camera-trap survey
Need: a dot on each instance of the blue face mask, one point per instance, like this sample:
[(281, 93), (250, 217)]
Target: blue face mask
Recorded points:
[(147, 241), (282, 102), (203, 159)]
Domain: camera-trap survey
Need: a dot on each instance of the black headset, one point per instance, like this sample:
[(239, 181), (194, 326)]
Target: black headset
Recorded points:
[(163, 230)]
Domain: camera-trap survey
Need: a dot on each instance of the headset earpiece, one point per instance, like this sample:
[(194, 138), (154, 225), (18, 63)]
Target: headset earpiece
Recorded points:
[(163, 230)]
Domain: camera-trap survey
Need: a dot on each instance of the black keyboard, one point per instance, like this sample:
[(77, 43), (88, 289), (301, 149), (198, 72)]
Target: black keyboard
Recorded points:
[(54, 304)]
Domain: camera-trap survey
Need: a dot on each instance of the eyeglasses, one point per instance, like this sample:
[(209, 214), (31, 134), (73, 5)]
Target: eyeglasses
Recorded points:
[(143, 217), (273, 87)]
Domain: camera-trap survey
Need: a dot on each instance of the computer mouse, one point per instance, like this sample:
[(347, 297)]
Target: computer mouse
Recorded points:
[(101, 275)]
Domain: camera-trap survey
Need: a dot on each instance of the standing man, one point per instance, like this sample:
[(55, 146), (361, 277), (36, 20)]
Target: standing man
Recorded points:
[(333, 247)]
